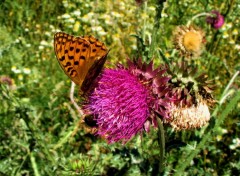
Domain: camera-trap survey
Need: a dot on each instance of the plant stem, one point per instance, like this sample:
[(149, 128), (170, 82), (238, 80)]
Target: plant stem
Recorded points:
[(223, 97), (196, 16), (161, 142), (155, 38), (34, 164)]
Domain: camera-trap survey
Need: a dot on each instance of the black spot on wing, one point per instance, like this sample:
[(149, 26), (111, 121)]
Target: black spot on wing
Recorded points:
[(62, 58), (73, 72), (67, 64), (82, 57), (69, 69), (76, 63), (86, 45), (71, 57)]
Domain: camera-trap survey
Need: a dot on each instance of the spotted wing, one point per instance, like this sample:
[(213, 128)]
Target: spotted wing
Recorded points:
[(93, 72), (77, 55)]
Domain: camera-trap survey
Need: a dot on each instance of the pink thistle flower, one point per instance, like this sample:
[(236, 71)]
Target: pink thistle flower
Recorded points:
[(216, 20), (126, 100)]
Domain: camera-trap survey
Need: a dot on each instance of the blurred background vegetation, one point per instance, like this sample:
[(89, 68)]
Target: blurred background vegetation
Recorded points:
[(39, 130)]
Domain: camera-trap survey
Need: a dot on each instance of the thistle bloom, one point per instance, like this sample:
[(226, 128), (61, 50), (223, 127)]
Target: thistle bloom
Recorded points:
[(193, 96), (125, 100), (188, 40), (216, 20)]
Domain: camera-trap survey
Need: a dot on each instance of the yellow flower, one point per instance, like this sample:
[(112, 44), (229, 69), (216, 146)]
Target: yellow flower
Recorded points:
[(225, 35), (20, 77), (76, 26), (235, 32), (167, 55), (188, 40)]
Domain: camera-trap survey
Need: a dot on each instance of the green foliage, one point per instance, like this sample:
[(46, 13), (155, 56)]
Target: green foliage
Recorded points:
[(40, 131)]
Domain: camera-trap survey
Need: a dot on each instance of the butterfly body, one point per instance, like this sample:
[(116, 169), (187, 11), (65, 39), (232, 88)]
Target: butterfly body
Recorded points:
[(81, 58)]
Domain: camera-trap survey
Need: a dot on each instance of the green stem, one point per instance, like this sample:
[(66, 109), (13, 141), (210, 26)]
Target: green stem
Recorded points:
[(34, 164), (64, 139), (227, 88), (224, 94), (159, 8), (161, 142), (196, 16)]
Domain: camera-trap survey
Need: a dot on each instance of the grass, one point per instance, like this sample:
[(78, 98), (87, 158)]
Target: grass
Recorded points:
[(39, 130)]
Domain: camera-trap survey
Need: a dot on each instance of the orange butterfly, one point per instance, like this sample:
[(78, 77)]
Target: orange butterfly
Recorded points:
[(81, 58)]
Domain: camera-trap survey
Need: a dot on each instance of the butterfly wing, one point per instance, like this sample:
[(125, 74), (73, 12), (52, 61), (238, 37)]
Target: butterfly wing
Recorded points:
[(78, 55), (93, 73)]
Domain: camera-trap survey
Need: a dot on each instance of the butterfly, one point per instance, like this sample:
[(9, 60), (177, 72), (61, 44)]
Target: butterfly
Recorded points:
[(81, 58)]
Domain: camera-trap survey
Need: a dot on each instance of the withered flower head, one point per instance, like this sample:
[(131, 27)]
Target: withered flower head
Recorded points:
[(193, 97), (184, 117), (189, 41)]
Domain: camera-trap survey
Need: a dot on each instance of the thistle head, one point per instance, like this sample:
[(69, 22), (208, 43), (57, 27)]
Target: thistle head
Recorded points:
[(189, 41), (126, 99), (193, 95), (215, 19)]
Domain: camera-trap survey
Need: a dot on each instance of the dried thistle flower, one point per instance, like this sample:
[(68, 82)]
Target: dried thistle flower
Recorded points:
[(192, 94), (189, 41), (184, 117)]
